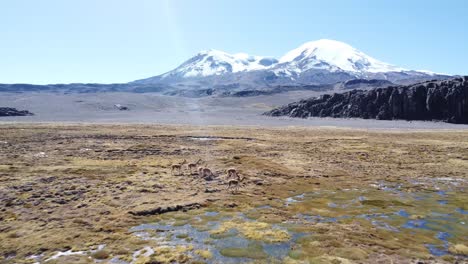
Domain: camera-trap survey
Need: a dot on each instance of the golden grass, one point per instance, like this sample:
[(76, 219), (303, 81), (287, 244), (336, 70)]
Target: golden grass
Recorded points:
[(94, 175)]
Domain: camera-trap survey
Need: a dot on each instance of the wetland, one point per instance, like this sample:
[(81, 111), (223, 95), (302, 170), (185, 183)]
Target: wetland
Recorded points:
[(100, 193)]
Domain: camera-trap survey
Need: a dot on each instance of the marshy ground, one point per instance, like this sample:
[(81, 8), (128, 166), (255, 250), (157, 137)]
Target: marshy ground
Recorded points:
[(105, 193)]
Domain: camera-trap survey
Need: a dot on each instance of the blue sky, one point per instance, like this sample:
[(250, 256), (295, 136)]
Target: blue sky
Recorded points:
[(57, 41)]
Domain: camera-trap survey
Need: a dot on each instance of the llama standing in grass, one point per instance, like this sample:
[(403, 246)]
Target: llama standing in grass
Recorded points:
[(193, 166), (232, 173), (234, 184), (204, 172), (177, 167)]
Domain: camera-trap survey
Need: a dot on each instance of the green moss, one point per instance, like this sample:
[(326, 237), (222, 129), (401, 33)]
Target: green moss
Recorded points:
[(169, 255), (201, 228), (353, 253), (298, 228), (253, 214), (305, 239), (209, 241), (259, 231), (253, 251), (206, 254), (210, 218), (296, 254), (329, 260), (223, 235), (181, 216), (459, 249), (182, 235), (460, 201), (448, 258), (180, 223), (383, 203)]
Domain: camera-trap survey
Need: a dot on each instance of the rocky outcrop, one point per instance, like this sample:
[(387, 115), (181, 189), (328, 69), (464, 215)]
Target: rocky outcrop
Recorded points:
[(364, 84), (434, 100), (8, 111), (121, 107)]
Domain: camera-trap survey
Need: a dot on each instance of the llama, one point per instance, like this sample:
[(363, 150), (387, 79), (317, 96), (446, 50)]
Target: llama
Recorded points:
[(232, 173), (234, 184), (205, 172), (177, 167), (193, 166)]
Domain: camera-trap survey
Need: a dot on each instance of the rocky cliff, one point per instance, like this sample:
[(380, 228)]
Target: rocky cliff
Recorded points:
[(434, 100), (8, 111)]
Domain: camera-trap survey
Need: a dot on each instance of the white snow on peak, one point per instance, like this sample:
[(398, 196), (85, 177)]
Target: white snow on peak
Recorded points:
[(323, 54), (334, 56), (215, 62)]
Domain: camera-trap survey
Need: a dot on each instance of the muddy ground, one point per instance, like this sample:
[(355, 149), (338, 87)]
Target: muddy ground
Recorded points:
[(105, 193)]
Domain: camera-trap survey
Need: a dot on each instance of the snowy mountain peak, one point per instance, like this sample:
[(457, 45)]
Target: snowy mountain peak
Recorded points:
[(315, 62), (334, 56), (215, 62)]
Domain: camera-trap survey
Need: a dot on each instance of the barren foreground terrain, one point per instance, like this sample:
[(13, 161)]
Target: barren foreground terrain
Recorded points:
[(105, 193)]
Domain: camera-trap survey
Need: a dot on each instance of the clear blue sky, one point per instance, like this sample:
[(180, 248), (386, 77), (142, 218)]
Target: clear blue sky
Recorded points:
[(63, 41)]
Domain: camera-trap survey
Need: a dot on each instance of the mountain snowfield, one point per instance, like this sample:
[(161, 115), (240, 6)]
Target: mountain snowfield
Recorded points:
[(317, 65), (320, 62), (215, 62), (324, 54), (333, 56)]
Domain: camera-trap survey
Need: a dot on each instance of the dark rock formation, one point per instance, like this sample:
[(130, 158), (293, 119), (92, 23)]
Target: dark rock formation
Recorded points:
[(121, 107), (434, 100), (364, 84), (8, 111)]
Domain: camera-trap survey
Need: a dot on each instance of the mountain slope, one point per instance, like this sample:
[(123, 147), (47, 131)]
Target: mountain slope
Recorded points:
[(333, 56), (313, 63), (321, 63), (213, 63)]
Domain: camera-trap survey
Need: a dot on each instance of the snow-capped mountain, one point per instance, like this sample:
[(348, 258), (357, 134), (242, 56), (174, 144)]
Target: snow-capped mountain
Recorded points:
[(333, 56), (215, 62), (313, 63), (318, 65)]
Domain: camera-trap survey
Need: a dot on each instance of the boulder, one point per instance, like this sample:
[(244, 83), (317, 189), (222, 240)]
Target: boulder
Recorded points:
[(9, 111)]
